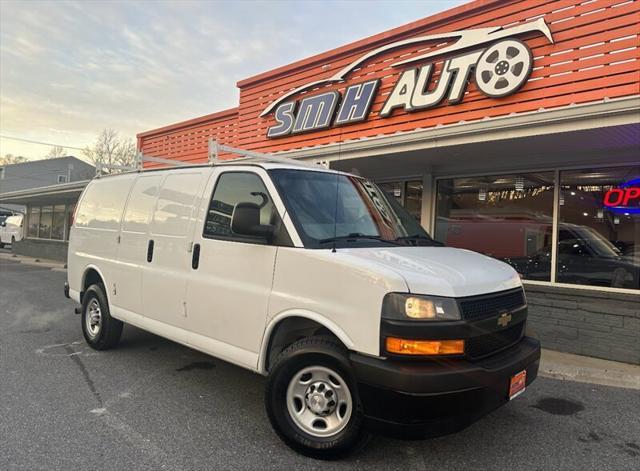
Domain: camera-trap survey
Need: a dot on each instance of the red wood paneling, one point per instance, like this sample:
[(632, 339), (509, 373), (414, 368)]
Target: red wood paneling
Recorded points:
[(189, 140), (595, 55)]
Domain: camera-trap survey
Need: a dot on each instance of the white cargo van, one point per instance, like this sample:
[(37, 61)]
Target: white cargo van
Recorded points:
[(313, 278), (11, 230)]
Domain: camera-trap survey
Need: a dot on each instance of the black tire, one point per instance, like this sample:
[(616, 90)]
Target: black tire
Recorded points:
[(326, 352), (1, 245), (107, 334)]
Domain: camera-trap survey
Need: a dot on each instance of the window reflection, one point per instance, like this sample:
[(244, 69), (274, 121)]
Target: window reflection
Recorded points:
[(57, 226), (34, 221), (46, 219), (597, 246), (407, 193), (509, 217)]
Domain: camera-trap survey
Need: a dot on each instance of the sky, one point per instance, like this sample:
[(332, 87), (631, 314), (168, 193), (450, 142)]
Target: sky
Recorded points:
[(70, 69)]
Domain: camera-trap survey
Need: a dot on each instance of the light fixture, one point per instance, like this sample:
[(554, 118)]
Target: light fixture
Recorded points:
[(424, 347)]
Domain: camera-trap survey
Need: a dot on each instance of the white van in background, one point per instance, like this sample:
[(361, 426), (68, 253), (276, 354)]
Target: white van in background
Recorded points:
[(313, 278), (11, 230)]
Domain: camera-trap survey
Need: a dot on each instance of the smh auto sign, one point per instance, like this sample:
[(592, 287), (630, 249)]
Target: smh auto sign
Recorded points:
[(499, 61)]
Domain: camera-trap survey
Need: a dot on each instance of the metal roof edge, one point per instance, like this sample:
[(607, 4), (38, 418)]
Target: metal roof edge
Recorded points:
[(44, 190), (501, 127)]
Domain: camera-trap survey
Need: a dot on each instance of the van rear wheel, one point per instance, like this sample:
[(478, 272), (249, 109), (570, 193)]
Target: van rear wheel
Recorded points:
[(312, 399), (100, 330)]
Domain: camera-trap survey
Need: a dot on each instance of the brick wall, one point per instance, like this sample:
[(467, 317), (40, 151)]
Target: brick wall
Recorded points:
[(593, 323)]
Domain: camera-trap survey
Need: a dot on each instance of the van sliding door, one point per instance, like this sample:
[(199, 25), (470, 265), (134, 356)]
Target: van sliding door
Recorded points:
[(167, 253), (134, 236)]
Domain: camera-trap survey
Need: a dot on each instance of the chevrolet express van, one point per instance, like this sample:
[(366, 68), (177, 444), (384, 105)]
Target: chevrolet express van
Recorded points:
[(11, 230), (313, 278)]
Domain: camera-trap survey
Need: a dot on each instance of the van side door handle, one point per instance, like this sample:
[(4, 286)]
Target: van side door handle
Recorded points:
[(150, 251), (195, 258)]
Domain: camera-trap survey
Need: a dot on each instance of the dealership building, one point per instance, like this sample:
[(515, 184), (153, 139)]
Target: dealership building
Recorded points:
[(511, 128)]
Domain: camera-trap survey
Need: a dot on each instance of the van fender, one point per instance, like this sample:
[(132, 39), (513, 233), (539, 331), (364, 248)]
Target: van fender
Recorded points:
[(85, 270), (311, 315)]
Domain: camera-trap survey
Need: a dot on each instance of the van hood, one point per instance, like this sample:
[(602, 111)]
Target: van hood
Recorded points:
[(442, 271)]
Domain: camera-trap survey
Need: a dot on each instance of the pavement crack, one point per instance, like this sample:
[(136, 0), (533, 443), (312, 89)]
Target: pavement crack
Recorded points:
[(85, 373)]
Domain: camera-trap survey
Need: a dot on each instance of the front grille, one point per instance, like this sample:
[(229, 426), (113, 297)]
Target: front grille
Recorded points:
[(474, 308), (483, 345)]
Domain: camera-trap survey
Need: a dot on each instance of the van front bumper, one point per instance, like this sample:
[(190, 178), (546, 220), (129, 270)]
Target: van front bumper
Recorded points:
[(438, 396)]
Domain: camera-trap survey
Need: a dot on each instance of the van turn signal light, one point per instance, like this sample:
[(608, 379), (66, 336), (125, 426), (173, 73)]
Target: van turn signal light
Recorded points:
[(424, 347)]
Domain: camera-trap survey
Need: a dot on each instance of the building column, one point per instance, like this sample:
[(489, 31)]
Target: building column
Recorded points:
[(428, 197)]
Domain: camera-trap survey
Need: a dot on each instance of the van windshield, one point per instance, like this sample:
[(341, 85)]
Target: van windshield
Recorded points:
[(348, 211)]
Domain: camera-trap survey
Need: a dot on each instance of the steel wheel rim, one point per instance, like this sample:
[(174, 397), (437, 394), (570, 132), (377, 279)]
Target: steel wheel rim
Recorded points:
[(319, 401), (93, 318)]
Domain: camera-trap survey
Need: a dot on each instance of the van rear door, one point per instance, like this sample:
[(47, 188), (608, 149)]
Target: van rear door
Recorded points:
[(167, 254)]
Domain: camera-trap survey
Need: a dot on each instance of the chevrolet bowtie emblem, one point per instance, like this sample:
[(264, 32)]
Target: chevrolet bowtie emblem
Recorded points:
[(504, 319)]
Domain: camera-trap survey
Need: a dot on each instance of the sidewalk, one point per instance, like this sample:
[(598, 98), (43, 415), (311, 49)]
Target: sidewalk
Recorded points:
[(566, 366), (55, 265)]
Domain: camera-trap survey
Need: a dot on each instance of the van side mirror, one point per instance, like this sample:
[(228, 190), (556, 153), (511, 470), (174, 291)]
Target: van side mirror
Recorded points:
[(246, 221)]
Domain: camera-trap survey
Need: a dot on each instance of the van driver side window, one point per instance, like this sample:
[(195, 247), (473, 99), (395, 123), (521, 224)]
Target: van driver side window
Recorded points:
[(241, 187)]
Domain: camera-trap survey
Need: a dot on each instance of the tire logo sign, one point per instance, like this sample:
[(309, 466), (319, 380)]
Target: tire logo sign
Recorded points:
[(500, 67)]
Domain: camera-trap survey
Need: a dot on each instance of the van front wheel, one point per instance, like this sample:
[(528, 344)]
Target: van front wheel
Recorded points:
[(100, 330), (312, 399)]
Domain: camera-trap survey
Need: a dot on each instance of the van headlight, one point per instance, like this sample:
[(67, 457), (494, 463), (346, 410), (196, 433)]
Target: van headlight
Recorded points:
[(410, 306)]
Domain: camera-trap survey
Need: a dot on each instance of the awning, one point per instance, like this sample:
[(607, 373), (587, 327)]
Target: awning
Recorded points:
[(62, 193)]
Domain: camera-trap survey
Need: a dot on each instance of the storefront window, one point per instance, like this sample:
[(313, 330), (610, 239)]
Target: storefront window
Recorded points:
[(598, 238), (413, 199), (57, 226), (395, 189), (509, 217), (407, 193), (34, 221), (48, 222), (46, 219)]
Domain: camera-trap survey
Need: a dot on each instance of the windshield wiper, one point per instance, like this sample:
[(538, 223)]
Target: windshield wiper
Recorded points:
[(419, 237), (357, 236)]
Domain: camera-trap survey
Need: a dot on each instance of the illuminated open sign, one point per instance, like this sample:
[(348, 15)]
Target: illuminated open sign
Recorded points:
[(625, 199)]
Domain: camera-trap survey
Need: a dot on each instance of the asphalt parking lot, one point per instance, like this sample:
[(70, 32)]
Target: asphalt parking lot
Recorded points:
[(152, 404)]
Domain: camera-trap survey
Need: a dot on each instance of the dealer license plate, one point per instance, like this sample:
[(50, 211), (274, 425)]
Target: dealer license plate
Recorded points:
[(517, 384)]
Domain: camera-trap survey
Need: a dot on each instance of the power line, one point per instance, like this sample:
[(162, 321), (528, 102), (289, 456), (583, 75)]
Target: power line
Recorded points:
[(40, 142)]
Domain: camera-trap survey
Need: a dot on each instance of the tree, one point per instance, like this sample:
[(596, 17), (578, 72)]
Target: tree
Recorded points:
[(111, 149), (55, 152), (10, 159)]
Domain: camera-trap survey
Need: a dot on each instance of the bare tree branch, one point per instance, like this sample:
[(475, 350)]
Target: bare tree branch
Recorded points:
[(55, 152), (10, 159), (111, 149)]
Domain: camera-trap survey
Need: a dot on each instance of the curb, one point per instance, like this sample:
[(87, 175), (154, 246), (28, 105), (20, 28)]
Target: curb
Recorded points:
[(582, 369), (35, 262)]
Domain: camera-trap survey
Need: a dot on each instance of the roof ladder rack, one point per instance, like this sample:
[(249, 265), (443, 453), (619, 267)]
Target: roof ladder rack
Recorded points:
[(214, 158), (215, 148), (141, 159), (101, 167)]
